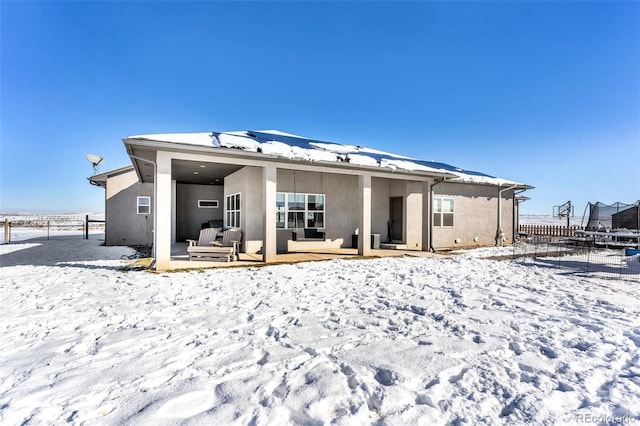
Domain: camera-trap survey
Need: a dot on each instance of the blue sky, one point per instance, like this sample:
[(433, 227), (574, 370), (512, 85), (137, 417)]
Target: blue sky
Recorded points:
[(545, 93)]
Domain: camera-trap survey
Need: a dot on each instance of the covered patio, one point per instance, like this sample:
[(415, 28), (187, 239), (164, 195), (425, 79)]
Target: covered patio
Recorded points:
[(180, 260), (298, 203)]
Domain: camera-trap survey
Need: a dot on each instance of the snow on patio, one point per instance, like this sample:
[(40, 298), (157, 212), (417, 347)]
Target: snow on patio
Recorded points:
[(390, 341)]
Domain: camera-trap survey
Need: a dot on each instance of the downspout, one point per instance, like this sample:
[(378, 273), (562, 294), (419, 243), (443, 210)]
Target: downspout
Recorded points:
[(431, 214), (516, 205), (500, 232), (155, 198)]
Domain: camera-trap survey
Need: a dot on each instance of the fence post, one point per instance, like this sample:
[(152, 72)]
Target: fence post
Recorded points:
[(7, 234), (48, 226), (86, 227)]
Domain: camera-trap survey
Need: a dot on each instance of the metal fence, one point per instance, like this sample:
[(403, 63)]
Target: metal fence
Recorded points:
[(567, 257), (47, 228)]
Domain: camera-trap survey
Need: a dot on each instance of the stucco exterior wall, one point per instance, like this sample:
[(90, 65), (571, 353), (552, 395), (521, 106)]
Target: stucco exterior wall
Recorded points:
[(475, 216), (380, 189), (341, 207), (124, 226), (248, 182), (189, 217), (413, 215), (414, 220)]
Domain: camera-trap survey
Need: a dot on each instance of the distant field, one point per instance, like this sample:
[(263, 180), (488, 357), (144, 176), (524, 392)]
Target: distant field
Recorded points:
[(544, 219), (40, 225), (50, 216)]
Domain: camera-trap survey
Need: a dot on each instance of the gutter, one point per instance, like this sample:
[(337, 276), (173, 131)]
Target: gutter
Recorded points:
[(500, 232), (516, 202)]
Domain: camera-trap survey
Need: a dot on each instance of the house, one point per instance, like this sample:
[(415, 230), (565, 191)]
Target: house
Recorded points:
[(291, 193)]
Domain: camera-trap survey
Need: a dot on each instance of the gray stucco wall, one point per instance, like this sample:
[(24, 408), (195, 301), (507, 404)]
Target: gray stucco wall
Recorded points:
[(189, 217), (475, 217), (341, 206), (124, 226), (249, 183), (380, 190)]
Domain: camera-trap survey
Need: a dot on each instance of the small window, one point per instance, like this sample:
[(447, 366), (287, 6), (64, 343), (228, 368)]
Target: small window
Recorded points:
[(144, 205), (443, 210), (208, 204)]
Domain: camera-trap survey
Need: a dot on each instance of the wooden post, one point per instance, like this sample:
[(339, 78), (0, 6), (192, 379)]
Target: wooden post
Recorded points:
[(7, 234), (86, 227)]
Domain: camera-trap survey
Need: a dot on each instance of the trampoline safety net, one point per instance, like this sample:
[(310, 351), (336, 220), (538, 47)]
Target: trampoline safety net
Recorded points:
[(600, 216)]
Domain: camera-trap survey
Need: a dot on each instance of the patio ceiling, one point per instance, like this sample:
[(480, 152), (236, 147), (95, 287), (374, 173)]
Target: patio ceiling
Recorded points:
[(200, 172), (183, 171)]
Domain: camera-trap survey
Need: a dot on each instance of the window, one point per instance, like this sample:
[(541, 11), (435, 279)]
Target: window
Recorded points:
[(144, 205), (443, 212), (208, 204), (232, 216), (299, 210)]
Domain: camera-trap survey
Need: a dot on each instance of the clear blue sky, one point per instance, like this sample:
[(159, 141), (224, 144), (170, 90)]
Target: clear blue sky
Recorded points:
[(545, 93)]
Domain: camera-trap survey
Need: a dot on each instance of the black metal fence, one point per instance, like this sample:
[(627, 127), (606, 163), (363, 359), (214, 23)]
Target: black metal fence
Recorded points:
[(567, 257), (46, 228)]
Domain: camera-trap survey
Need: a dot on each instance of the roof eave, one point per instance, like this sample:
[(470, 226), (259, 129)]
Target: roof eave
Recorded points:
[(100, 179), (233, 152)]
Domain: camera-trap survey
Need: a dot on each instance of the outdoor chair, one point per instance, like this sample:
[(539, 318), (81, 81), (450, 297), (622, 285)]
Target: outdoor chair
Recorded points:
[(212, 248), (206, 237), (231, 238)]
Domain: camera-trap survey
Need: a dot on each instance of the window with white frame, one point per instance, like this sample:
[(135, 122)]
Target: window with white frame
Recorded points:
[(144, 205), (232, 211), (443, 212), (299, 210)]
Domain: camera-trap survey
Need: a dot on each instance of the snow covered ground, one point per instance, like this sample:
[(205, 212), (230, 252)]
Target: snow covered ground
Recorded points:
[(398, 341)]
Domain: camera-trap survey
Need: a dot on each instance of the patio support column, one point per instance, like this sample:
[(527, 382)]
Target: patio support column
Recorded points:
[(162, 231), (426, 215), (364, 223), (269, 243)]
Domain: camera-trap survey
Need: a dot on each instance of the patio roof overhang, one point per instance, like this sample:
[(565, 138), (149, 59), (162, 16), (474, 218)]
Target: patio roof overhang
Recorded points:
[(191, 163)]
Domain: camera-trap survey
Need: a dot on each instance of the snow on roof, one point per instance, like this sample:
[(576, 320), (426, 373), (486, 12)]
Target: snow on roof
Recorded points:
[(294, 147), (205, 139)]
